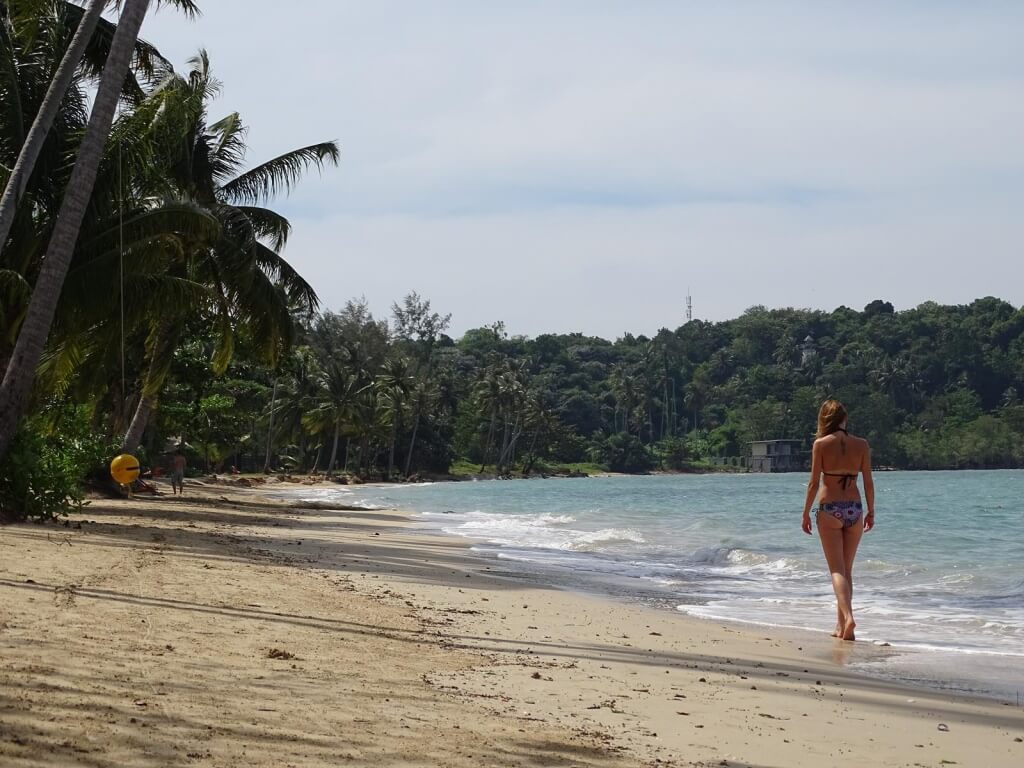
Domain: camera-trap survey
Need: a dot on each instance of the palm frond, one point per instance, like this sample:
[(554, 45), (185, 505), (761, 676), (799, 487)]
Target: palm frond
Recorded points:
[(147, 60), (280, 174), (160, 351), (163, 295), (268, 225), (14, 295), (60, 363), (13, 121), (295, 286), (224, 348), (171, 219), (264, 312), (200, 78), (187, 7), (227, 152)]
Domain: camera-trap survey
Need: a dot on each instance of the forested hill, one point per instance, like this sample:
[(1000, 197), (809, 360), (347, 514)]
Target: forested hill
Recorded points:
[(931, 387)]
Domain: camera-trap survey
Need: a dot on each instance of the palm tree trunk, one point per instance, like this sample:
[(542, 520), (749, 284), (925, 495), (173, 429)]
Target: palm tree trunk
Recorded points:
[(133, 437), (391, 453), (44, 118), (364, 456), (490, 439), (504, 447), (270, 429), (507, 457), (334, 450), (673, 415), (412, 441), (162, 348), (531, 454), (35, 329)]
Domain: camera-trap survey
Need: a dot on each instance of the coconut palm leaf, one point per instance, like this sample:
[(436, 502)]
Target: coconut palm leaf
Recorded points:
[(280, 174), (267, 317), (171, 219), (268, 225), (227, 148), (297, 289), (60, 363), (12, 123), (14, 294)]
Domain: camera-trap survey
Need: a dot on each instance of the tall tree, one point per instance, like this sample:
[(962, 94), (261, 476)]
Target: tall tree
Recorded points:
[(419, 327), (395, 385), (35, 328), (33, 145), (248, 283)]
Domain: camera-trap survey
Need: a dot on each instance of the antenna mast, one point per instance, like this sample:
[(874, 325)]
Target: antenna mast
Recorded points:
[(689, 306)]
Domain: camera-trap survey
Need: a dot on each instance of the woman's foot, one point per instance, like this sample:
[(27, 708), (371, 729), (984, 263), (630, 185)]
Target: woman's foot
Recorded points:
[(848, 627), (838, 631)]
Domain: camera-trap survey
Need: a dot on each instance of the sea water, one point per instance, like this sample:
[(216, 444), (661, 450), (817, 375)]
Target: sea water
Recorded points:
[(941, 577)]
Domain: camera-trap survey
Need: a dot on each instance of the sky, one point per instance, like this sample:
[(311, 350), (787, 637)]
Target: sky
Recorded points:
[(581, 165)]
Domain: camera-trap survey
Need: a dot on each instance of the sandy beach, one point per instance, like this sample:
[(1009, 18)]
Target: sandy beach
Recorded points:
[(230, 629)]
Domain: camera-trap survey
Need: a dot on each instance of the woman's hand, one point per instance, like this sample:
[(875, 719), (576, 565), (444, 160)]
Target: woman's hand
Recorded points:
[(869, 521), (805, 524)]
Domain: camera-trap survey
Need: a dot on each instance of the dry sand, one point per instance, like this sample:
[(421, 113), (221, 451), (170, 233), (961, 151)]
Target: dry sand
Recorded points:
[(226, 629)]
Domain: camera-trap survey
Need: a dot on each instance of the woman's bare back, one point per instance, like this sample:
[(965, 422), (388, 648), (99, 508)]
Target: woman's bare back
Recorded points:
[(842, 458)]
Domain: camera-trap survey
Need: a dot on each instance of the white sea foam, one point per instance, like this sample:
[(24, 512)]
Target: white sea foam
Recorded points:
[(543, 531)]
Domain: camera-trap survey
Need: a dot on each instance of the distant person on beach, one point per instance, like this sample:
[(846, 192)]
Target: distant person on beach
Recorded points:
[(836, 460), (178, 472)]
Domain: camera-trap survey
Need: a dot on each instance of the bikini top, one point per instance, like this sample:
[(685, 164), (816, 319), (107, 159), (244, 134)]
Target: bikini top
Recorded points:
[(845, 482)]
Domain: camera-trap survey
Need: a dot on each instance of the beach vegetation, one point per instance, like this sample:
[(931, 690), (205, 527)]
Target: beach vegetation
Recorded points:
[(169, 317)]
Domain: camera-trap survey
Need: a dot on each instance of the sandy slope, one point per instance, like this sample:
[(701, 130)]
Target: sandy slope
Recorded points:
[(229, 630)]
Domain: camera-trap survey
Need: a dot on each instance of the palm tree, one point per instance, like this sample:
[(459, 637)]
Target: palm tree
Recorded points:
[(423, 399), (43, 33), (338, 391), (369, 424), (298, 391), (512, 397), (542, 422), (42, 306), (45, 117), (395, 386), (626, 391), (487, 394), (250, 285)]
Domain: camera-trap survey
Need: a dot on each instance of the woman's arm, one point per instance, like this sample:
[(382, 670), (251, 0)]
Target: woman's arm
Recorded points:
[(812, 487), (869, 488)]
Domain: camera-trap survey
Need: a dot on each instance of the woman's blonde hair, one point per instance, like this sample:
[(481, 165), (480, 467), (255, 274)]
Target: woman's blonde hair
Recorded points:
[(830, 417)]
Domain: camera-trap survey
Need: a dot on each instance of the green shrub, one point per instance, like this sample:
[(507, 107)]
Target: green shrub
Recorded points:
[(622, 453), (42, 474), (673, 452)]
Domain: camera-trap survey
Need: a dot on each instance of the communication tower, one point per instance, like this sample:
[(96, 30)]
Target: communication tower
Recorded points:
[(689, 306)]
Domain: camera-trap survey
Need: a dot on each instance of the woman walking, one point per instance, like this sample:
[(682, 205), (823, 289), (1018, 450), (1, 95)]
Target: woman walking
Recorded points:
[(836, 460)]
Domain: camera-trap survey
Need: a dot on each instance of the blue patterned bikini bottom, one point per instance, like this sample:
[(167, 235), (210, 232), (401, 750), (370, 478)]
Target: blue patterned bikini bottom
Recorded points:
[(847, 512)]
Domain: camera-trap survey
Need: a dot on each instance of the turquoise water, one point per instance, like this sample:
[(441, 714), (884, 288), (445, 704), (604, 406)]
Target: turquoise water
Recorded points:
[(941, 573)]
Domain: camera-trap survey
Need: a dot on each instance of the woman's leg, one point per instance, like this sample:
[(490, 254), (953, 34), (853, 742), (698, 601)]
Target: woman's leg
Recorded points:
[(851, 540), (831, 532)]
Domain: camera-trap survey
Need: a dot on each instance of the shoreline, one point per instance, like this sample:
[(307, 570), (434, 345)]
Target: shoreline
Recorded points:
[(866, 651), (403, 640), (977, 670)]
